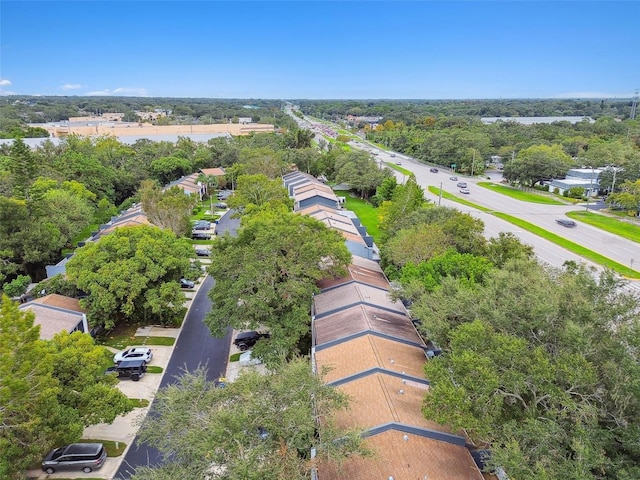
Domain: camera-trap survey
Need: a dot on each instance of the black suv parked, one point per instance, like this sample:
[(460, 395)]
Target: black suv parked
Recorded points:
[(246, 340), (133, 369)]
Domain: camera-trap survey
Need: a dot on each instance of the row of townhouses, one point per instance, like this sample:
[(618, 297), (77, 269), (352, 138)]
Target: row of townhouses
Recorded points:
[(376, 356)]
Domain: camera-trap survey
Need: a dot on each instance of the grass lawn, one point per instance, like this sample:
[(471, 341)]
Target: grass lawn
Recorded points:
[(621, 228), (521, 195), (367, 214), (124, 336), (552, 237), (139, 402), (113, 448), (235, 357), (154, 369), (397, 168)]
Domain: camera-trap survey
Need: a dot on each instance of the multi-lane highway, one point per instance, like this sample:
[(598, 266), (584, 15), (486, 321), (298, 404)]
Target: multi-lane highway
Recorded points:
[(621, 250)]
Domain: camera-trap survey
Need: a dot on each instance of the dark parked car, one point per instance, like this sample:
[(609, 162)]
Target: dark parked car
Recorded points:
[(203, 252), (202, 225), (133, 369), (184, 283), (76, 456), (200, 236), (246, 340), (220, 205), (433, 170), (566, 223)]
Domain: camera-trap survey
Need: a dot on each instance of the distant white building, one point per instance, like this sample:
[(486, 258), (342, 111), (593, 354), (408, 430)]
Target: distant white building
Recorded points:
[(587, 178), (532, 120)]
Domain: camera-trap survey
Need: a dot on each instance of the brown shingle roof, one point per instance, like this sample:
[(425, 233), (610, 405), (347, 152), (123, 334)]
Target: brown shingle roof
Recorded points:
[(53, 318), (367, 352), (315, 192), (311, 186), (416, 458), (361, 270), (216, 171), (350, 294), (61, 301), (311, 209), (362, 318)]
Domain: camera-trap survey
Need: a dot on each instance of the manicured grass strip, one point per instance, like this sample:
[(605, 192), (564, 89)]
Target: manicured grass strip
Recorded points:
[(612, 225), (552, 237), (154, 369), (520, 194), (235, 357), (452, 197), (113, 448), (167, 341), (403, 171), (139, 402), (365, 212)]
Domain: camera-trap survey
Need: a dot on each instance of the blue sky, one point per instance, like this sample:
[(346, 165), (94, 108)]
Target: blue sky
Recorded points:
[(321, 50)]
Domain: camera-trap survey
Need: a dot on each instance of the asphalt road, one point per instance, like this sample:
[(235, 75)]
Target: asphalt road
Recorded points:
[(194, 348), (612, 246)]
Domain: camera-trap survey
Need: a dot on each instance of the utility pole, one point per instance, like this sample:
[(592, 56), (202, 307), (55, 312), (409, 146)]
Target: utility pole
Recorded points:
[(634, 107), (473, 161), (440, 197)]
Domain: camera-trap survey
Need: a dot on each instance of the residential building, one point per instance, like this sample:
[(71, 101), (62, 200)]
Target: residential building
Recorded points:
[(56, 313)]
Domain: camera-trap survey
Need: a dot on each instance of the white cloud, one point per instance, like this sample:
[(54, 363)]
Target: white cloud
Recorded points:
[(126, 92), (70, 86), (7, 92), (4, 82), (593, 95)]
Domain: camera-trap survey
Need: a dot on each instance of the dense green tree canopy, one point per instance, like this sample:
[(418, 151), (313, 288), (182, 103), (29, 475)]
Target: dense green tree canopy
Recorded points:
[(132, 275), (49, 390), (360, 171), (537, 357), (262, 426), (537, 163), (170, 208), (265, 277), (257, 191)]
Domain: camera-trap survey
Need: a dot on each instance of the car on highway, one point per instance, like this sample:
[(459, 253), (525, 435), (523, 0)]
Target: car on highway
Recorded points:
[(134, 353), (454, 179), (461, 184), (566, 222), (433, 170), (465, 190), (398, 163), (392, 154), (75, 456)]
